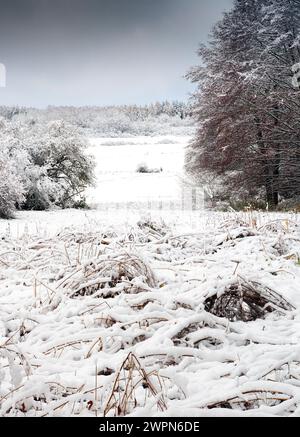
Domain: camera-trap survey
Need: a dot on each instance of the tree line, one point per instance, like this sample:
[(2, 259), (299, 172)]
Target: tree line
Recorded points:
[(126, 120)]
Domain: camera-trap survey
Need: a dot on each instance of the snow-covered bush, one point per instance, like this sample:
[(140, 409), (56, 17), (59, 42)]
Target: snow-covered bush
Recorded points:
[(11, 188), (61, 169), (144, 168), (49, 161)]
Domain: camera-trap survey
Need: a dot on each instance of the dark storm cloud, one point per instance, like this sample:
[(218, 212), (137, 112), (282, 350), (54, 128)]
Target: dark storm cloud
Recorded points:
[(80, 52)]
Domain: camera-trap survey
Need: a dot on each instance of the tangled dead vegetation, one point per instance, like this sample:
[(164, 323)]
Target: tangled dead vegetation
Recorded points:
[(280, 226), (146, 321), (157, 229), (252, 399), (246, 301), (110, 273)]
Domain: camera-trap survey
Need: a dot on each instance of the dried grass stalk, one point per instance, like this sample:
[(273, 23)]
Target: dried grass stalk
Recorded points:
[(131, 376)]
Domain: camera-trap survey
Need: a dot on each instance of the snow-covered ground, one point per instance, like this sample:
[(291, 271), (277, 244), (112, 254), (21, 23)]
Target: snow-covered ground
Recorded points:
[(106, 315), (149, 312), (117, 163)]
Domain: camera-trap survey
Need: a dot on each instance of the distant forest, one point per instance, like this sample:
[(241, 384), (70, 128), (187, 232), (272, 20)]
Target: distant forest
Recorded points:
[(161, 118)]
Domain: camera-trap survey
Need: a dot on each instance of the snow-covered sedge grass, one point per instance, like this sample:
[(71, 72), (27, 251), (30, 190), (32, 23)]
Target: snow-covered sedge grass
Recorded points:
[(140, 341)]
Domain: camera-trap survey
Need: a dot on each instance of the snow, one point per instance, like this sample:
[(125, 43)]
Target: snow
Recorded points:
[(296, 75), (102, 312), (117, 163)]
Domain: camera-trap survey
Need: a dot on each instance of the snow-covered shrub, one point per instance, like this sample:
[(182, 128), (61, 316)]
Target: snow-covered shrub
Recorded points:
[(143, 168), (11, 188), (49, 161), (61, 169)]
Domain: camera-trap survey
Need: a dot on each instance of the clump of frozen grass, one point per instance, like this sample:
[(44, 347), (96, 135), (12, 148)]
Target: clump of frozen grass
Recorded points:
[(71, 235), (109, 274), (279, 226), (246, 301), (153, 228)]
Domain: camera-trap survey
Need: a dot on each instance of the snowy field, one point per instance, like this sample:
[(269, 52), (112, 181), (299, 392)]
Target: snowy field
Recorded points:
[(149, 313), (117, 163)]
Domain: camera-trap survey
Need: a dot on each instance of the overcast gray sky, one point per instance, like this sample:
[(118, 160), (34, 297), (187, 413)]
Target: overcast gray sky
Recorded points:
[(98, 52)]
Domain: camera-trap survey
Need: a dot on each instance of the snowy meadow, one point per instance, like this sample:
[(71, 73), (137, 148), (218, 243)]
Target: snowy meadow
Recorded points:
[(133, 310), (119, 179)]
